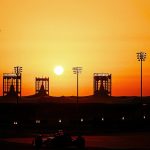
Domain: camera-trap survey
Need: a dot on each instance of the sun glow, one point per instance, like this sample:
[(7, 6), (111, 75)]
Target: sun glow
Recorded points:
[(58, 70)]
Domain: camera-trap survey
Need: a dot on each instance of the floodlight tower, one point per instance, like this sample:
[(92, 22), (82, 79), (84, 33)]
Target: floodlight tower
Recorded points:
[(141, 56), (77, 71), (18, 71)]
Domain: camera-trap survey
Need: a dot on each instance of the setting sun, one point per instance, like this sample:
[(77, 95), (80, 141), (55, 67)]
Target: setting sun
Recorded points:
[(59, 70)]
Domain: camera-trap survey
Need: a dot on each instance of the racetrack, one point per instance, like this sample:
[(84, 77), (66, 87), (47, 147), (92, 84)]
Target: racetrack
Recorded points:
[(123, 141)]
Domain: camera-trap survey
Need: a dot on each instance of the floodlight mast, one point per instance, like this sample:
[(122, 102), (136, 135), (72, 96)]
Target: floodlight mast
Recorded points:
[(141, 56), (77, 71), (18, 71)]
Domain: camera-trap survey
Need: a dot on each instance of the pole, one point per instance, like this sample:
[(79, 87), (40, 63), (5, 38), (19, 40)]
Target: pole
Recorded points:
[(141, 80), (77, 70), (141, 56), (17, 83), (77, 86), (77, 102)]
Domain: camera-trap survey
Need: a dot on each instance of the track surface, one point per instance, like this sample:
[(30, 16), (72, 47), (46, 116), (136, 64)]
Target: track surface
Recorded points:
[(125, 141)]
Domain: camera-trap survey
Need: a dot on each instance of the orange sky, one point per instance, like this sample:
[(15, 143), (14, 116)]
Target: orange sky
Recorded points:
[(99, 35)]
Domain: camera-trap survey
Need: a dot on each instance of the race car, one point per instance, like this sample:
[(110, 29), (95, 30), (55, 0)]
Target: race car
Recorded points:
[(59, 140)]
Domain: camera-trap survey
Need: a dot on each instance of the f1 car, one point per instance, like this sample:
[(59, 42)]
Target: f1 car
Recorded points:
[(60, 140)]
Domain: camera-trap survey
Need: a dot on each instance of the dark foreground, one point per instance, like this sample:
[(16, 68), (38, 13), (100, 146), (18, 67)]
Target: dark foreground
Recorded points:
[(101, 123)]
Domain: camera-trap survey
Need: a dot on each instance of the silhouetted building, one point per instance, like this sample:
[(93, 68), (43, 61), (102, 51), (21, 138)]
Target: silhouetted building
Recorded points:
[(102, 84), (42, 86), (11, 84)]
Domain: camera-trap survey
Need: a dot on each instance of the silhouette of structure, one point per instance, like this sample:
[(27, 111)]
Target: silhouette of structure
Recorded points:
[(11, 84), (77, 71), (141, 56), (102, 84), (42, 86)]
